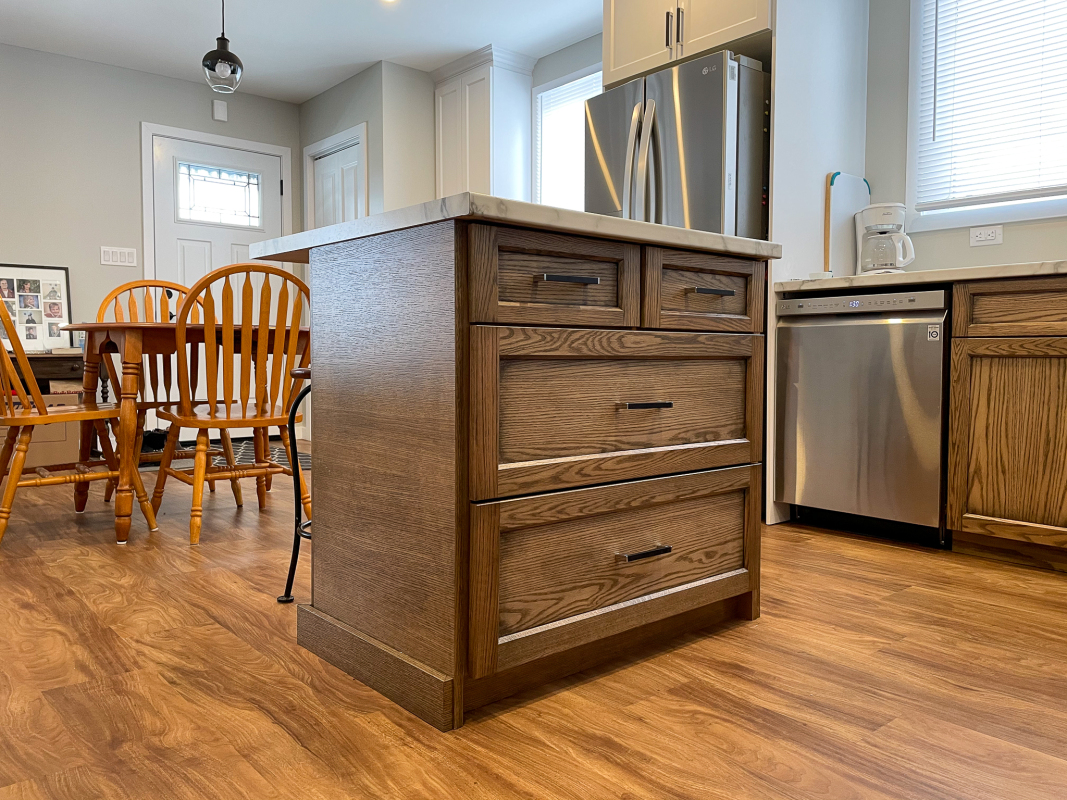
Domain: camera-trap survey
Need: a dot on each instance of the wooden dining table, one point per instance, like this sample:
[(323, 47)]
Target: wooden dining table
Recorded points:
[(131, 341)]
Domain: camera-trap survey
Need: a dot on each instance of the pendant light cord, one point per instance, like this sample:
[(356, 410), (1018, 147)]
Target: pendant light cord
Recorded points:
[(224, 18)]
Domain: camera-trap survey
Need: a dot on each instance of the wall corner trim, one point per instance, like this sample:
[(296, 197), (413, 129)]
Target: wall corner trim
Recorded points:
[(490, 54)]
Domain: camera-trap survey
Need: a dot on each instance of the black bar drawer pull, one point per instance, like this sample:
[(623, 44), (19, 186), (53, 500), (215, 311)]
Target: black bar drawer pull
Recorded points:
[(704, 290), (627, 558), (568, 279), (661, 404)]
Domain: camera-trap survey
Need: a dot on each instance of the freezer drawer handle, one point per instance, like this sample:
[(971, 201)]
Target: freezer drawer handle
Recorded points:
[(670, 20), (705, 290), (630, 406), (628, 558), (568, 279)]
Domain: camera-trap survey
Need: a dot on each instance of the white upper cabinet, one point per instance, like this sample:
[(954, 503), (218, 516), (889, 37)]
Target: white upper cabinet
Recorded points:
[(641, 35), (483, 124), (706, 24)]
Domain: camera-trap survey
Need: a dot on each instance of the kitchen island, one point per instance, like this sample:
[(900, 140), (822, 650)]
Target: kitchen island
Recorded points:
[(538, 443)]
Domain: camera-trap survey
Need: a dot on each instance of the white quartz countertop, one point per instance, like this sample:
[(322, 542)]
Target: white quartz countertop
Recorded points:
[(296, 248), (1024, 270)]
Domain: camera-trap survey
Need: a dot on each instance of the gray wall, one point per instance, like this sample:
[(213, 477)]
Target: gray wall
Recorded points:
[(409, 147), (359, 99), (887, 152), (570, 59), (70, 159)]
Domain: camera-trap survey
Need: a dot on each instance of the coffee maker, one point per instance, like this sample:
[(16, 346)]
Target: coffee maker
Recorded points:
[(881, 244)]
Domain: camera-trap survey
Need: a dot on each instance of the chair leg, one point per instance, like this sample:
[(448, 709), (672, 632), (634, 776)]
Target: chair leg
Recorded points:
[(138, 482), (231, 461), (261, 459), (9, 447), (14, 476), (85, 444), (266, 457), (292, 453), (109, 487), (164, 464), (293, 559), (199, 478)]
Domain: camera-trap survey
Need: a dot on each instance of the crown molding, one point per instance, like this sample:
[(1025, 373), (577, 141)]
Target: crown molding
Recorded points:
[(494, 56)]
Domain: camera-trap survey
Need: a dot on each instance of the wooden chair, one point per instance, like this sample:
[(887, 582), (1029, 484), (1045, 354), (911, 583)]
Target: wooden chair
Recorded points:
[(30, 412), (259, 348), (151, 301)]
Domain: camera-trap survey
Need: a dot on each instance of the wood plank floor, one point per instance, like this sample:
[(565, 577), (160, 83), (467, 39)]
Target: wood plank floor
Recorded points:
[(877, 672)]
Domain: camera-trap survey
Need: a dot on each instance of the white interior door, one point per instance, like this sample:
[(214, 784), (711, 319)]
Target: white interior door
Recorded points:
[(209, 204), (339, 177)]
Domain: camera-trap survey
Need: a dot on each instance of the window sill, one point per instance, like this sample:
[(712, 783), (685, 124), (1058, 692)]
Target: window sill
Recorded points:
[(1026, 211)]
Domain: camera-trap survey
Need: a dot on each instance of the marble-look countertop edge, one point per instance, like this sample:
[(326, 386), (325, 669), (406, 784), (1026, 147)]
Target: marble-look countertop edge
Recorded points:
[(949, 275), (296, 247)]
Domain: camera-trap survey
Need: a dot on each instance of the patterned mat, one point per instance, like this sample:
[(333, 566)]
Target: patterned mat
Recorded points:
[(244, 452)]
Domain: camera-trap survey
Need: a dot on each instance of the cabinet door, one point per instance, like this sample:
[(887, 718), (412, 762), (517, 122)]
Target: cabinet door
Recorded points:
[(706, 24), (1008, 439), (639, 35), (462, 120)]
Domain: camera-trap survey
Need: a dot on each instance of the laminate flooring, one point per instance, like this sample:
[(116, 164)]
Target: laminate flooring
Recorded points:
[(877, 672)]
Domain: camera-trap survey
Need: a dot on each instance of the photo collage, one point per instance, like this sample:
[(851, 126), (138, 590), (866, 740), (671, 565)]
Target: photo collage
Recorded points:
[(38, 306)]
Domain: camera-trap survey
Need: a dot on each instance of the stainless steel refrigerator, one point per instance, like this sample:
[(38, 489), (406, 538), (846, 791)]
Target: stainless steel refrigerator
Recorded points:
[(685, 146)]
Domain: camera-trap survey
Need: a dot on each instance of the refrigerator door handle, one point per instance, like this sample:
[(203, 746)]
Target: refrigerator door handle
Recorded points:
[(628, 173), (642, 159)]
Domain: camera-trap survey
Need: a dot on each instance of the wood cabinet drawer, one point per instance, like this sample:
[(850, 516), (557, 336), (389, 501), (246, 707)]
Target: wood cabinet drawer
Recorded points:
[(701, 292), (550, 572), (553, 408), (1017, 307), (533, 278)]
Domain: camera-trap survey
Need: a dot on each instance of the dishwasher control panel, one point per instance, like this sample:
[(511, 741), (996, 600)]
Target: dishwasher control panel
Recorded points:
[(862, 303)]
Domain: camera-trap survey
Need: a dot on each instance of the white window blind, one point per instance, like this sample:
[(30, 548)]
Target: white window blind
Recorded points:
[(992, 102), (559, 143)]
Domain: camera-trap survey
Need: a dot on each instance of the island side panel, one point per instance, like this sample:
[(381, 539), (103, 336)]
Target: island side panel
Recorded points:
[(384, 361)]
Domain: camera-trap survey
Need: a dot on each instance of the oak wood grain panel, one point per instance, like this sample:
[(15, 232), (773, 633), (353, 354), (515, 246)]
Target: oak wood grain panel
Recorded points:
[(417, 687), (561, 473), (385, 379), (1013, 551), (1008, 436), (564, 569), (576, 631), (1049, 535), (749, 604), (484, 410), (1015, 307), (618, 646), (484, 584), (506, 262), (545, 509), (569, 343), (554, 409), (461, 487), (669, 275)]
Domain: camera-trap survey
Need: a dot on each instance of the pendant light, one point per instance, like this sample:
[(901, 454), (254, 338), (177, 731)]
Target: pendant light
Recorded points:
[(222, 68)]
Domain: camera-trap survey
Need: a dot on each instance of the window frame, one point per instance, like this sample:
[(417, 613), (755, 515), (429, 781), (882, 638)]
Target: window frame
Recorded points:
[(535, 121), (964, 216)]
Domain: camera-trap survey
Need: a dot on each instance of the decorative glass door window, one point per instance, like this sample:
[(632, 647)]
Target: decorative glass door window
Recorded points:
[(218, 195)]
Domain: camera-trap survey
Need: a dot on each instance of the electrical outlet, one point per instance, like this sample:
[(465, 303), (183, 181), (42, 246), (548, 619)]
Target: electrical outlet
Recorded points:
[(990, 234), (118, 256)]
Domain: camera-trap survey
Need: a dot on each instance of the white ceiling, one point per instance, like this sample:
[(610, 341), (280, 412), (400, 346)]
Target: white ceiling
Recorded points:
[(293, 49)]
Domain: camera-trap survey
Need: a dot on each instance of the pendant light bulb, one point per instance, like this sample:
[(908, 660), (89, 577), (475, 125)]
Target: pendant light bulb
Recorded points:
[(223, 69)]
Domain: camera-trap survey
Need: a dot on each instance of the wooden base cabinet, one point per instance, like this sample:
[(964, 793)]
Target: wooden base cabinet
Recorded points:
[(1008, 422), (520, 482)]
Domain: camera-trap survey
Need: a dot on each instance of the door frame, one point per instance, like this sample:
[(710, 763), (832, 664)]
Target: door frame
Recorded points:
[(356, 135), (148, 219)]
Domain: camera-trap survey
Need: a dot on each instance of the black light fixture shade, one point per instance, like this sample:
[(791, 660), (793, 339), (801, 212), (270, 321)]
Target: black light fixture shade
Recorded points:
[(222, 68)]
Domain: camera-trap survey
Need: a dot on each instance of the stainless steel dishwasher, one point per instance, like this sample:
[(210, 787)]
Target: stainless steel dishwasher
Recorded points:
[(860, 394)]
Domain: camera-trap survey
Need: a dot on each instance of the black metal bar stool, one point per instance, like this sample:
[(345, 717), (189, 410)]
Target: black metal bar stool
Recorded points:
[(302, 530)]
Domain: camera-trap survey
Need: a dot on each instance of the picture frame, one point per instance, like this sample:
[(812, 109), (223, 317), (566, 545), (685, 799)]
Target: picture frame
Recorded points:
[(37, 300)]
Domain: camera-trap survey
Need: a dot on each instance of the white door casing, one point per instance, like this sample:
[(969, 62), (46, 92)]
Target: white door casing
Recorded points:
[(336, 178)]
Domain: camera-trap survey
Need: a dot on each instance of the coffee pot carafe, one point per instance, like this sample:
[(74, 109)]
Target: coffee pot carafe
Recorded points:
[(881, 244)]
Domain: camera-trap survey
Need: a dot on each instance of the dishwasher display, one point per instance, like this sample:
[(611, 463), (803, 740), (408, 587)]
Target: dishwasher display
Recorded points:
[(860, 389)]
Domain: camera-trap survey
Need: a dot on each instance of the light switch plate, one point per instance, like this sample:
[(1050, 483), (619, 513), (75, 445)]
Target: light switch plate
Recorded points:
[(219, 112), (987, 235), (118, 256)]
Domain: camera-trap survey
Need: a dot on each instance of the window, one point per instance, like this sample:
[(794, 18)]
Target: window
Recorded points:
[(559, 142), (215, 194), (992, 103)]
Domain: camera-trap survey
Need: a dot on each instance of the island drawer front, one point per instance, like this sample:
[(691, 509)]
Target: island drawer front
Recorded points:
[(556, 408), (701, 292), (1013, 307), (551, 572), (538, 278)]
